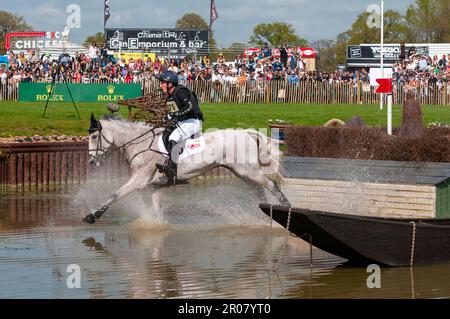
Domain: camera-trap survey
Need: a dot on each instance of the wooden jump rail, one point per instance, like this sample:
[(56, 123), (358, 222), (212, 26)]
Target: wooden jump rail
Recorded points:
[(60, 163), (29, 164)]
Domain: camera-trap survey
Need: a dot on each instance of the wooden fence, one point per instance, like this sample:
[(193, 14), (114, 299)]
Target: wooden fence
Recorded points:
[(33, 164), (309, 92), (28, 165), (9, 92)]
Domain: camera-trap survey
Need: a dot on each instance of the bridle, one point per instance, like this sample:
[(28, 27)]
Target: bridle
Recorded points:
[(102, 155)]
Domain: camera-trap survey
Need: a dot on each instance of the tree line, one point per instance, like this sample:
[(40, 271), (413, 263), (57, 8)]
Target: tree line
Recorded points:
[(425, 21)]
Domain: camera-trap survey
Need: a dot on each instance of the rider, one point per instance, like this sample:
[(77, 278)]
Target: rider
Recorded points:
[(184, 110)]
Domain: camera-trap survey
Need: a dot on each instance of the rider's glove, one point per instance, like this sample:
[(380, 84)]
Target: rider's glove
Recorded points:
[(166, 118)]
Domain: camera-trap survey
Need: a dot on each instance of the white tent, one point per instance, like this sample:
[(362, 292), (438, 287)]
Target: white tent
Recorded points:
[(64, 46)]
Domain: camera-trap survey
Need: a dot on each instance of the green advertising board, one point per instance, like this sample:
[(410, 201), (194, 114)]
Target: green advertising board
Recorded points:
[(109, 92)]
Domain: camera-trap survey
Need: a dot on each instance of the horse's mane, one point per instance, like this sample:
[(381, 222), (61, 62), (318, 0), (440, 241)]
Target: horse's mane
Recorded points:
[(130, 124), (112, 117)]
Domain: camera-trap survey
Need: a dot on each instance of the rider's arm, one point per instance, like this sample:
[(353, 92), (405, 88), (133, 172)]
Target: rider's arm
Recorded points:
[(184, 96)]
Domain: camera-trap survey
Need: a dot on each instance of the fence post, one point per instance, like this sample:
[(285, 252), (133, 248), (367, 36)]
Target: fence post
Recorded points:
[(358, 93), (268, 91)]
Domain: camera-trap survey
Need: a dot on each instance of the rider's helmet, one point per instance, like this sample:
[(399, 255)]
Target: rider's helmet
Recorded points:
[(169, 76)]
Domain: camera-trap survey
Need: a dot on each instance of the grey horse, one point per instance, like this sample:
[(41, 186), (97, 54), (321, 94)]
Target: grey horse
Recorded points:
[(249, 154)]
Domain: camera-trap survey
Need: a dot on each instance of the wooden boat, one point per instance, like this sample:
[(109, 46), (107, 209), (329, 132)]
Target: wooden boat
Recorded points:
[(369, 240)]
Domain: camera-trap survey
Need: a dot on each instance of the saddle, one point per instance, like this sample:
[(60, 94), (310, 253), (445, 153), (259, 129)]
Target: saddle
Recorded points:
[(166, 135)]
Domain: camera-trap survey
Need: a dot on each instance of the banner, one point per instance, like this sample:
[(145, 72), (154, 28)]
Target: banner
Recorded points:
[(135, 56), (175, 43), (39, 92), (370, 55)]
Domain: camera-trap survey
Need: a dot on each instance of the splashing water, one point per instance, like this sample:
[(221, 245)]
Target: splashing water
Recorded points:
[(212, 201)]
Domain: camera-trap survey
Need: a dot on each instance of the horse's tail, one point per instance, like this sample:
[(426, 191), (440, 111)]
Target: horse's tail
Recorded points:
[(269, 153)]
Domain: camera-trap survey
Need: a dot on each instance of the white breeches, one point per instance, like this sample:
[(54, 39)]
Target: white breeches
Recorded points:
[(185, 130)]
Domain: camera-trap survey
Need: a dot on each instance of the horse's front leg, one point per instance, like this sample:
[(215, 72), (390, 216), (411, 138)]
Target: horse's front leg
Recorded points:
[(137, 181)]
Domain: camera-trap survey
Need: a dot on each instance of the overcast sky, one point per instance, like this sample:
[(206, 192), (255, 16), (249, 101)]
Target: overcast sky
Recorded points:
[(312, 19)]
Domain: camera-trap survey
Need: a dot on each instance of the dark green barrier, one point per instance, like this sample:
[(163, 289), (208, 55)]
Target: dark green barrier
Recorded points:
[(39, 92)]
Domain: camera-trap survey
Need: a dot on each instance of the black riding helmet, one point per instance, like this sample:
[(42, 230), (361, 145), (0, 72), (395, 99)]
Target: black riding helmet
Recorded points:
[(169, 77)]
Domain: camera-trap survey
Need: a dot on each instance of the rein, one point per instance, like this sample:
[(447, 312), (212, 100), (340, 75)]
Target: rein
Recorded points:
[(108, 153)]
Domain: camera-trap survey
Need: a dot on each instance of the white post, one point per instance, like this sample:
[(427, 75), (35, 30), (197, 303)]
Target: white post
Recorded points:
[(382, 45), (389, 115), (120, 44)]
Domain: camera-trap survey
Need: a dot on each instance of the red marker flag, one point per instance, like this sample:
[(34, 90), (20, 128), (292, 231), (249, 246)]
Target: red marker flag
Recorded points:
[(385, 86)]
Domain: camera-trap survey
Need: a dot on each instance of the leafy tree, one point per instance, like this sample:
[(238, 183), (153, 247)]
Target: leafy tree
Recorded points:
[(326, 49), (98, 38), (191, 21), (235, 49), (428, 21), (342, 40), (277, 34), (395, 31), (8, 23), (194, 21)]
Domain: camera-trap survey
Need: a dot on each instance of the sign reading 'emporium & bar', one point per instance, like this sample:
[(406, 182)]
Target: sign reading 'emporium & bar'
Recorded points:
[(175, 43)]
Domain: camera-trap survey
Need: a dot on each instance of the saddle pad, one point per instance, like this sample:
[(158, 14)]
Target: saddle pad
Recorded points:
[(190, 147)]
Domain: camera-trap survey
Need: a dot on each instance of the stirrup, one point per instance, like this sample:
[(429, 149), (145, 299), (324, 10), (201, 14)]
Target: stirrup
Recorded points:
[(161, 168), (167, 170)]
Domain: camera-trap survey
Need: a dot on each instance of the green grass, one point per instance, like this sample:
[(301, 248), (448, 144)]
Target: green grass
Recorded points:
[(19, 118)]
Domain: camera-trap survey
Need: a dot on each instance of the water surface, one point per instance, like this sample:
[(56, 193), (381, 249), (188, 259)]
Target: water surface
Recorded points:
[(209, 241)]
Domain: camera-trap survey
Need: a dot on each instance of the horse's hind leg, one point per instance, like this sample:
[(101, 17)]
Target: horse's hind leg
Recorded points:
[(256, 176)]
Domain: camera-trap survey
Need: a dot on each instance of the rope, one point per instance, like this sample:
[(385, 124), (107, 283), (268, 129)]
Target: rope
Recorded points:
[(285, 239), (126, 145), (274, 268), (268, 253), (280, 255), (413, 244)]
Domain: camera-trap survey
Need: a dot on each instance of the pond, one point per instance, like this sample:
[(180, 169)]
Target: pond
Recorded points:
[(209, 241)]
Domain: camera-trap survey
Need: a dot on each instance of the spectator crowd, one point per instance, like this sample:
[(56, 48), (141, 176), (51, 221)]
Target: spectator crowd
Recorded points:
[(419, 70), (266, 64)]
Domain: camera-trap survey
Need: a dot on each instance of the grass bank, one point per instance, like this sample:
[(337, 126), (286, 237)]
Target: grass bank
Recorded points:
[(20, 118)]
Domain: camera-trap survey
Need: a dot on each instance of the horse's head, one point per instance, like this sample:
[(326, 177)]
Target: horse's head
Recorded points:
[(100, 141)]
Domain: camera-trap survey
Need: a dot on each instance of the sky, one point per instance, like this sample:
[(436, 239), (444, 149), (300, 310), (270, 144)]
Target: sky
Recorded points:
[(311, 19)]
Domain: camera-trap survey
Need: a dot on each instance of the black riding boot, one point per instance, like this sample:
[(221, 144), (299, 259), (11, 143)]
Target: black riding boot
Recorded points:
[(170, 169)]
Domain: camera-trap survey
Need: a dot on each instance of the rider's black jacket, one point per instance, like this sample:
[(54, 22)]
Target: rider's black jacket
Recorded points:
[(183, 104)]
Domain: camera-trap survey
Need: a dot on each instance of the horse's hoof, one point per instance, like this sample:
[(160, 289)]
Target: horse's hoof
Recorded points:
[(285, 202), (90, 219), (99, 213)]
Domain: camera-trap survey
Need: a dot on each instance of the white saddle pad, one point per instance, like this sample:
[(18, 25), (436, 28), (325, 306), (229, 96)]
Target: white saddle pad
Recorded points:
[(191, 147)]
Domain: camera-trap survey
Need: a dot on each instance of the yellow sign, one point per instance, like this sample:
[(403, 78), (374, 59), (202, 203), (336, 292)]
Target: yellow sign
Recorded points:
[(135, 56), (111, 89), (110, 97)]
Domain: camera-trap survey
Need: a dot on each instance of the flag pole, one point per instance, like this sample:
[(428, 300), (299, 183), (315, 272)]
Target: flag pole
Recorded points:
[(382, 48), (104, 21), (212, 17), (210, 26), (106, 15)]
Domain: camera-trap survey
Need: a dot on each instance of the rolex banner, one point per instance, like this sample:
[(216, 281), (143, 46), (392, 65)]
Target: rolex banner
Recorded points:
[(39, 92)]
